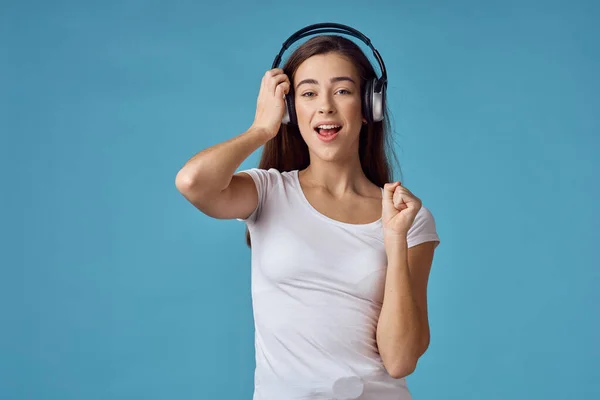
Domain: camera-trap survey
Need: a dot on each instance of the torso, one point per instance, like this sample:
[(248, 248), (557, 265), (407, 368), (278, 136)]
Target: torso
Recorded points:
[(318, 282)]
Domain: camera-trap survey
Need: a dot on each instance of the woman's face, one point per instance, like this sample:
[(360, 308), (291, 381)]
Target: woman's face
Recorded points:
[(327, 95)]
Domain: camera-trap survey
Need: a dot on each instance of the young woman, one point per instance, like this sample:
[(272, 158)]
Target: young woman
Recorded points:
[(341, 255)]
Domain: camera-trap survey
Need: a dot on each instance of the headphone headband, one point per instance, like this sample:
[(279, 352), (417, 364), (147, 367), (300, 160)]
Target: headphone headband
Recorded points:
[(332, 27)]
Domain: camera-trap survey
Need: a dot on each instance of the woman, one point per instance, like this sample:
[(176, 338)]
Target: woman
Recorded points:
[(340, 254)]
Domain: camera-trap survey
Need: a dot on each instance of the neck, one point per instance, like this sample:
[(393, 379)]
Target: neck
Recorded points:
[(337, 178)]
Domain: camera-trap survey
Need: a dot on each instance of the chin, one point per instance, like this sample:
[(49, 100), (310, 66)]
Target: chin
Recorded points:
[(327, 156), (330, 153)]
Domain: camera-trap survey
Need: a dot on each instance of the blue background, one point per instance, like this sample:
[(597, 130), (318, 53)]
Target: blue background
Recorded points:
[(112, 286)]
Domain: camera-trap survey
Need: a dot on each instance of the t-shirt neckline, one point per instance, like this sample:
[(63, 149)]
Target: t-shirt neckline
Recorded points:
[(313, 210)]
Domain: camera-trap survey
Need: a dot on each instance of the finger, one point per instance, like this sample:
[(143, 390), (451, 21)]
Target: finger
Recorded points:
[(273, 82), (399, 200), (282, 88), (274, 74), (270, 74), (274, 71), (388, 190)]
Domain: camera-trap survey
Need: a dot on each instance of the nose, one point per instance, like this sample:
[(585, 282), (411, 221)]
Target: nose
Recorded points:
[(326, 106)]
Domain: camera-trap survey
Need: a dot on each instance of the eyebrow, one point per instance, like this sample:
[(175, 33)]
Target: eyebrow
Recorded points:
[(332, 80)]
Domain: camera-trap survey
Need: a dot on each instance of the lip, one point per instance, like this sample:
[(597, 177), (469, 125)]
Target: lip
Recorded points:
[(326, 138)]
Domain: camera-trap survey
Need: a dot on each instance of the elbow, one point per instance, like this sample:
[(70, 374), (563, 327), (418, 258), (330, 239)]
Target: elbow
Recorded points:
[(189, 184), (402, 366), (183, 181), (402, 369)]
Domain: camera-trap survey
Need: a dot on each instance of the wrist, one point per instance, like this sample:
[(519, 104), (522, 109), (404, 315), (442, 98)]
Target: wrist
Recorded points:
[(396, 245), (395, 238), (261, 132)]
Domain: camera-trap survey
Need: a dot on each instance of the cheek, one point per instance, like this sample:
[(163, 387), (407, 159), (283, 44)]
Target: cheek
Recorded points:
[(304, 114), (354, 104), (303, 110)]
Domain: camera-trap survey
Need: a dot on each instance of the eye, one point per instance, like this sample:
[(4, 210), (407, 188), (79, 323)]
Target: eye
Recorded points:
[(306, 93), (344, 90)]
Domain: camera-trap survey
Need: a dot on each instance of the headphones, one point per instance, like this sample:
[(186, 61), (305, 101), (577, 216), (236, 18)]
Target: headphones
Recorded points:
[(373, 104)]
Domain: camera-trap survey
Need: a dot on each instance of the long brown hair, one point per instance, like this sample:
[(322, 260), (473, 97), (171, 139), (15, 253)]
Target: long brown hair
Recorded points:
[(287, 151)]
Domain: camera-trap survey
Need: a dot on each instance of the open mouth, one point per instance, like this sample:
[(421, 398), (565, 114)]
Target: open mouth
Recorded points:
[(328, 130)]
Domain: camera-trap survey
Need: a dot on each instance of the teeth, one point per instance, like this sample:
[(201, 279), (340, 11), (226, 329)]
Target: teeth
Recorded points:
[(328, 126)]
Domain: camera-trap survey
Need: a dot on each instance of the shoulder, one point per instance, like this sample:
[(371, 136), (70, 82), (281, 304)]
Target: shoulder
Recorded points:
[(423, 229), (272, 173), (271, 186), (261, 173), (267, 180), (425, 216)]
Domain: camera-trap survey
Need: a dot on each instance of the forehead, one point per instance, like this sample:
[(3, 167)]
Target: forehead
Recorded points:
[(325, 66)]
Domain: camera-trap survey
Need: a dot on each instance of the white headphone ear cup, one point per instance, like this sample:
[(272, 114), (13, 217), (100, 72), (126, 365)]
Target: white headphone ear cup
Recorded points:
[(290, 110), (378, 104), (377, 107), (286, 116)]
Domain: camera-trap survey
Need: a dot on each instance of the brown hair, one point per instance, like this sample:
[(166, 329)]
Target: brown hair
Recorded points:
[(287, 151)]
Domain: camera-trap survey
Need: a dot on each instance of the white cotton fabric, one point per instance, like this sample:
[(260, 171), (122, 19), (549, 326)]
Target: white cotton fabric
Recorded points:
[(317, 291)]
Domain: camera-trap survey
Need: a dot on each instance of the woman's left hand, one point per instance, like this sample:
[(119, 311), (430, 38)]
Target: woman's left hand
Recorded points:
[(400, 207)]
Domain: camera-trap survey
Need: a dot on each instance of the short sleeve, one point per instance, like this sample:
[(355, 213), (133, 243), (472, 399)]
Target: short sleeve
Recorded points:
[(423, 229), (262, 180)]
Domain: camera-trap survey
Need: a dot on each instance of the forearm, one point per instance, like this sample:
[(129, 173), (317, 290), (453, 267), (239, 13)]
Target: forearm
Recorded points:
[(399, 331), (213, 168)]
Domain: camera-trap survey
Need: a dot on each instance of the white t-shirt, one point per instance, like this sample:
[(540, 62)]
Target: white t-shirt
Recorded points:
[(317, 291)]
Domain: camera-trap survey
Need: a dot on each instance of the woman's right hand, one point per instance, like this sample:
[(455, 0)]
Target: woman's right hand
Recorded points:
[(270, 105)]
